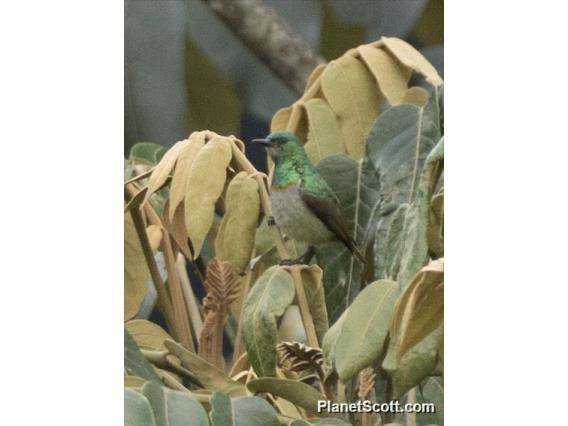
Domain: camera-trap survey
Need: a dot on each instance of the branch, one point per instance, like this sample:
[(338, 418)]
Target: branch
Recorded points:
[(271, 39)]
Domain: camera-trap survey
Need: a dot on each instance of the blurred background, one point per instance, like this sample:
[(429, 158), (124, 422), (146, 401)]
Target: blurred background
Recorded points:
[(186, 70)]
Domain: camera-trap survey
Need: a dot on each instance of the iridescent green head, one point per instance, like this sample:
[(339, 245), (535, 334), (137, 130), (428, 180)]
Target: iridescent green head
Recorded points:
[(283, 146)]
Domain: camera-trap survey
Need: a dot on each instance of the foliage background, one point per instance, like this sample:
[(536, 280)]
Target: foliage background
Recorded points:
[(186, 71)]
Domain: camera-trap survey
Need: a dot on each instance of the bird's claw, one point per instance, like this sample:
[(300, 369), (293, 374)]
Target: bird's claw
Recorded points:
[(302, 260)]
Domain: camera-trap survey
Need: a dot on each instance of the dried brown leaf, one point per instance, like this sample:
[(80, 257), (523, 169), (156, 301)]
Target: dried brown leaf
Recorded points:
[(222, 286), (420, 308), (295, 356), (162, 170)]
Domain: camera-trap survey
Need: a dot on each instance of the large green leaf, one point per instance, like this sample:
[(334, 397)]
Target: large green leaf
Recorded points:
[(415, 238), (432, 391), (272, 293), (416, 365), (296, 392), (330, 339), (137, 409), (242, 411), (362, 337), (356, 185), (174, 408), (398, 144), (208, 375), (134, 362)]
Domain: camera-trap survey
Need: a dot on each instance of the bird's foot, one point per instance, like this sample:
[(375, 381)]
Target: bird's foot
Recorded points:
[(302, 260)]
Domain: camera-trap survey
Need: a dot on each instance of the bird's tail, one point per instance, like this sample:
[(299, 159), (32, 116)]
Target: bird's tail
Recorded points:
[(355, 252)]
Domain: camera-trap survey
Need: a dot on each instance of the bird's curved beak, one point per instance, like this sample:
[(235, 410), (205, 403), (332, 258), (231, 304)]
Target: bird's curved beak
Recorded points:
[(264, 142)]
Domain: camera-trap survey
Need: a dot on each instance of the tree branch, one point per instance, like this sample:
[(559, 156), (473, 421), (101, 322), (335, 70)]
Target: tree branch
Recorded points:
[(270, 38)]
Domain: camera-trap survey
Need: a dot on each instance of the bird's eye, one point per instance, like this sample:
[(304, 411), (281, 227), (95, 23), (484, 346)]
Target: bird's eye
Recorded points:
[(281, 141)]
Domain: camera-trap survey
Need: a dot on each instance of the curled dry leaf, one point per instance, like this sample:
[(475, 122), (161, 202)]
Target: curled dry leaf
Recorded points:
[(162, 171), (355, 99), (420, 309), (205, 184), (314, 76), (412, 58), (235, 239), (135, 270), (177, 228), (185, 160), (391, 76), (295, 356)]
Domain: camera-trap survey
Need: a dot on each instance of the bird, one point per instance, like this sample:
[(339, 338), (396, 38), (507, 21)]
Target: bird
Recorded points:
[(304, 206)]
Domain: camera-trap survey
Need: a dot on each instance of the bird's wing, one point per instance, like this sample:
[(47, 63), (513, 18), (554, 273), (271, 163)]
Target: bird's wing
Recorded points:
[(327, 210)]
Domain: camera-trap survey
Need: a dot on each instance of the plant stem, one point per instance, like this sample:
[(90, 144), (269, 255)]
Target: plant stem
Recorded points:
[(163, 302), (176, 292)]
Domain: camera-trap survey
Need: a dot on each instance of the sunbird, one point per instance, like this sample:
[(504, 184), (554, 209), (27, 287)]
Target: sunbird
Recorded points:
[(303, 204)]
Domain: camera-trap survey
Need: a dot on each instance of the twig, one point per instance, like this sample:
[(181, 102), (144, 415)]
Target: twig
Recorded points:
[(271, 39), (164, 301), (189, 296), (176, 292), (302, 300)]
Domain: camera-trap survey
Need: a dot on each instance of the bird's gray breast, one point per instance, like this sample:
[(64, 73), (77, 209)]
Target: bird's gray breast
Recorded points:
[(295, 219)]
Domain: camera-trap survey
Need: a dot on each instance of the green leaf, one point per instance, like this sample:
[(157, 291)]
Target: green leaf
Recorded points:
[(208, 375), (312, 279), (398, 144), (356, 185), (272, 293), (393, 244), (134, 362), (298, 393), (432, 391), (137, 409), (330, 339), (415, 240), (417, 364), (436, 226), (362, 337), (149, 152), (174, 408), (242, 411)]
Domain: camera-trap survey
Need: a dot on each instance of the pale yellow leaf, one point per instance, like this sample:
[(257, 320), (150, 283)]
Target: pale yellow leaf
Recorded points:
[(354, 97), (176, 228), (135, 270), (205, 185), (280, 119), (324, 136), (183, 167), (314, 76), (162, 170), (412, 58), (391, 76), (235, 239)]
